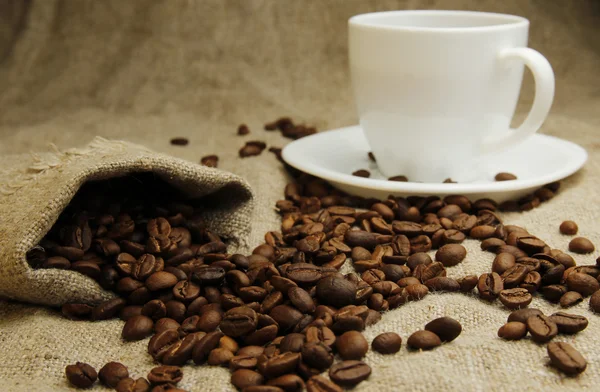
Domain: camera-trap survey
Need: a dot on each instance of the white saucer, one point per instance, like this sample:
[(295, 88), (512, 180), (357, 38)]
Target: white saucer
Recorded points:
[(334, 155)]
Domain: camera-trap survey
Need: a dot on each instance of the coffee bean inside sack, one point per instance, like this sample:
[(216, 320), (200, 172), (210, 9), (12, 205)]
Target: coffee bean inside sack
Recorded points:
[(283, 313)]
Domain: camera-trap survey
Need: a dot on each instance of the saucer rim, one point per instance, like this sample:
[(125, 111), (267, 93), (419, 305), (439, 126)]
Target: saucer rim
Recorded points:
[(579, 153)]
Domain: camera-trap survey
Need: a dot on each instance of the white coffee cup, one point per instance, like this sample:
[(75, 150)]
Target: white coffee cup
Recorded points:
[(436, 90)]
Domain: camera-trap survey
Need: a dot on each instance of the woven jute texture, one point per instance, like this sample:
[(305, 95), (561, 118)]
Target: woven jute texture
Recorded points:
[(33, 197), (146, 71)]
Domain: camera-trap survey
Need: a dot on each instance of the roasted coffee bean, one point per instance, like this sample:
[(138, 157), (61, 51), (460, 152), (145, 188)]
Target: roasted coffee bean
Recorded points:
[(279, 364), (399, 178), (165, 323), (360, 238), (301, 299), (304, 273), (288, 383), (161, 280), (522, 315), (186, 291), (532, 282), (569, 323), (77, 311), (112, 373), (219, 357), (554, 292), (446, 328), (56, 262), (442, 283), (210, 160), (503, 262), (451, 254), (387, 343), (582, 283), (570, 298), (137, 328), (568, 228), (349, 373), (81, 375), (321, 384), (133, 385), (361, 173), (453, 237), (541, 328), (320, 334), (505, 177), (243, 378), (492, 244), (180, 141), (490, 286), (595, 302), (418, 258), (165, 374), (416, 292), (205, 345), (317, 355), (285, 316), (513, 330), (467, 283), (514, 276), (239, 321), (336, 291), (292, 343), (352, 345), (482, 232), (515, 298), (423, 340), (155, 309), (108, 309), (242, 362), (581, 245), (566, 358)]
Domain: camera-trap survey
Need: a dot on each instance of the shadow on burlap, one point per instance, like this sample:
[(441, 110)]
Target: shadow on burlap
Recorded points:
[(146, 71)]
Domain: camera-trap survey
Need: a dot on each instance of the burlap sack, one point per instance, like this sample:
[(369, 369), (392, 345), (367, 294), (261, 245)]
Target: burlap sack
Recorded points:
[(34, 193)]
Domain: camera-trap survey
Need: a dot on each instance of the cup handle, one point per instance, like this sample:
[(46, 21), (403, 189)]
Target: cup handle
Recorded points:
[(544, 94)]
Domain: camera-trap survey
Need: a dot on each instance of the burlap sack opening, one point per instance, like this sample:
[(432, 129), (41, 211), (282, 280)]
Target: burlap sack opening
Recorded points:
[(34, 195)]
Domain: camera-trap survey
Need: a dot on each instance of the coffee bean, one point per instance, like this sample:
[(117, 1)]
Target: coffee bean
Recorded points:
[(399, 178), (349, 373), (446, 328), (108, 309), (280, 364), (581, 245), (505, 177), (554, 292), (503, 262), (566, 358), (360, 238), (219, 357), (569, 323), (522, 315), (595, 302), (239, 321), (335, 291), (492, 244), (285, 316), (137, 328), (387, 343), (541, 328), (582, 283), (451, 254), (205, 345), (112, 373), (490, 286), (321, 384), (133, 385), (165, 374), (568, 228), (161, 280), (513, 330), (165, 323), (252, 148), (423, 340), (317, 355), (570, 298), (362, 173), (76, 311), (420, 243), (515, 298), (81, 375), (453, 237), (467, 283), (155, 309), (179, 141), (482, 232), (301, 299), (288, 383), (304, 273), (442, 283), (352, 345)]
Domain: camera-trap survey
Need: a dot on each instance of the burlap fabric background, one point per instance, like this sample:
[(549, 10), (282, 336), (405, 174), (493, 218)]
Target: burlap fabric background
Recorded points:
[(33, 196), (146, 71)]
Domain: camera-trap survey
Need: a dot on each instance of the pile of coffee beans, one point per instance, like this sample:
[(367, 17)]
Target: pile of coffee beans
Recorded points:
[(542, 329), (116, 375), (277, 317)]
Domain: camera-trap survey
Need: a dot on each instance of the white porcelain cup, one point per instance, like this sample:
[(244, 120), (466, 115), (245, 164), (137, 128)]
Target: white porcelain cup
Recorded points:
[(436, 90)]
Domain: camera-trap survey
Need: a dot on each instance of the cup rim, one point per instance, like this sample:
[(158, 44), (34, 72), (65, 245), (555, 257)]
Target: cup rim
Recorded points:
[(369, 20)]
